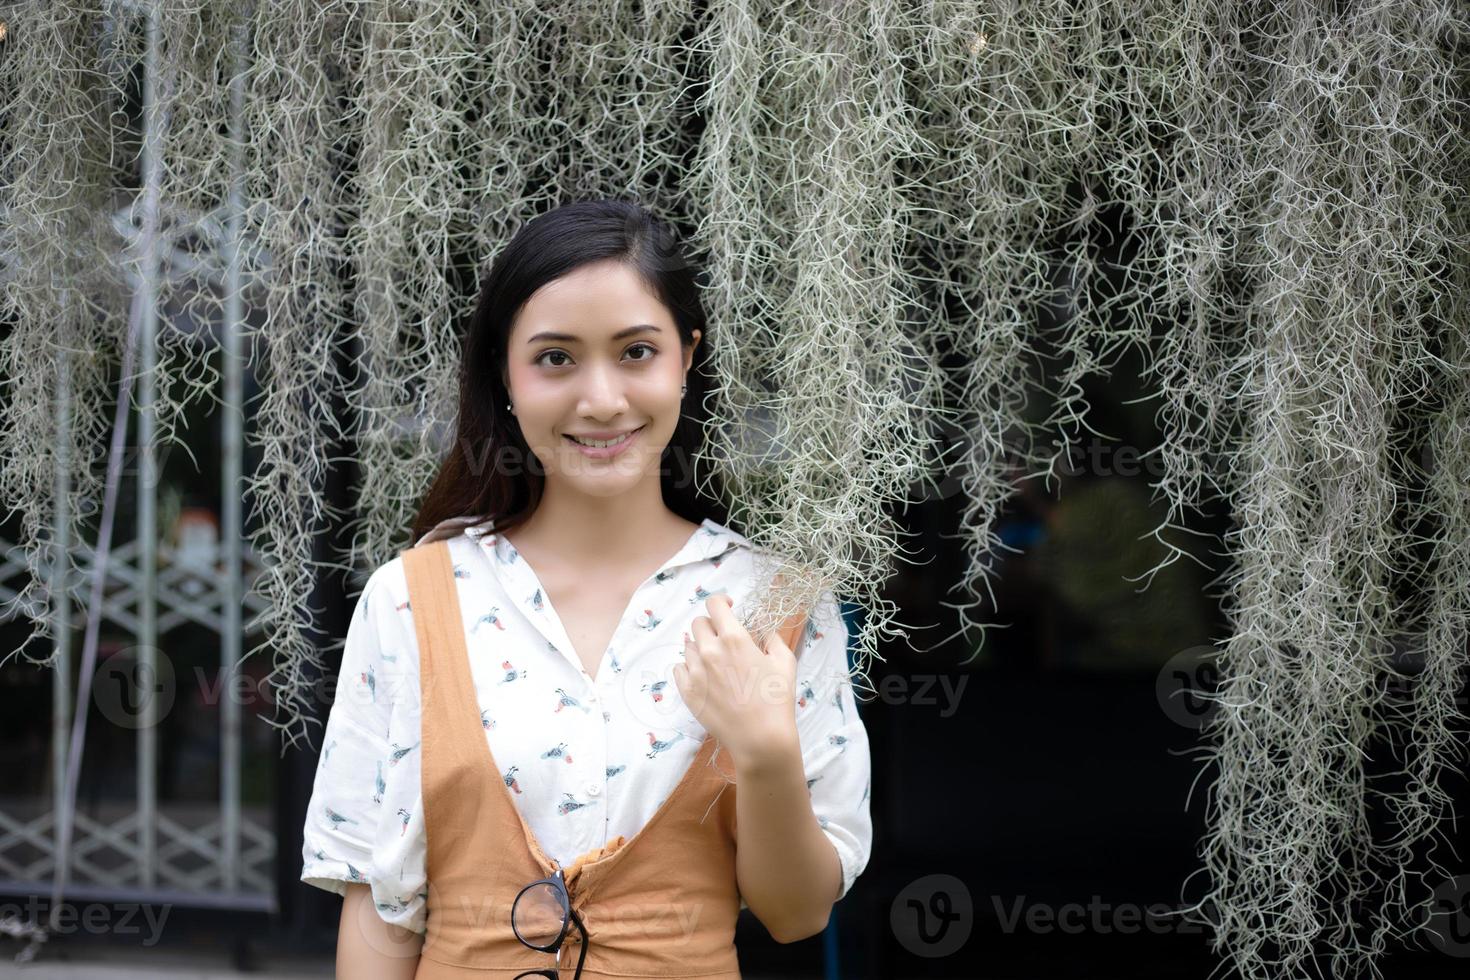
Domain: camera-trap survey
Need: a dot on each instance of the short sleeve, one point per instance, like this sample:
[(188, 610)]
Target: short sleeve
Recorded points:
[(363, 823), (834, 742)]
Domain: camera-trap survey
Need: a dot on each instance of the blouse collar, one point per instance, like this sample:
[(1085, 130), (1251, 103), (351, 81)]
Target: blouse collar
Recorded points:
[(710, 540)]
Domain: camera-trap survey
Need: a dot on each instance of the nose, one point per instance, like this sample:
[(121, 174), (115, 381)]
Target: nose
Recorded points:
[(603, 396)]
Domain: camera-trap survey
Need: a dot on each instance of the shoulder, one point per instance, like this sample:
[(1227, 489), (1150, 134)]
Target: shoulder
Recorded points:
[(757, 563), (386, 587), (756, 567), (454, 527), (759, 566), (388, 583), (767, 557), (717, 538)]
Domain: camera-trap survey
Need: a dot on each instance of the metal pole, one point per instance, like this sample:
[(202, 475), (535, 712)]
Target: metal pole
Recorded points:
[(231, 524), (61, 611), (147, 520)]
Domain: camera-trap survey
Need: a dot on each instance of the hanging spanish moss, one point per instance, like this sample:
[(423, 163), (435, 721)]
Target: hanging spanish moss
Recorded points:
[(890, 200), (1350, 363)]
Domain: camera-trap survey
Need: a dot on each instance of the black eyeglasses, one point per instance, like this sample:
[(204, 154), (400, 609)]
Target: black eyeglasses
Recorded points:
[(540, 916)]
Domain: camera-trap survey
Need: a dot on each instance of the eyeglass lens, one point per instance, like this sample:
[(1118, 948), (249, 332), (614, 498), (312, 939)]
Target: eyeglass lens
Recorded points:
[(538, 915)]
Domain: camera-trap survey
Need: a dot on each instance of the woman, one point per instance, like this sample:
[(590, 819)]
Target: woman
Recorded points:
[(600, 647)]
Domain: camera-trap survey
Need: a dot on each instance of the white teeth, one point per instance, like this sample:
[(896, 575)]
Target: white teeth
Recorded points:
[(602, 443)]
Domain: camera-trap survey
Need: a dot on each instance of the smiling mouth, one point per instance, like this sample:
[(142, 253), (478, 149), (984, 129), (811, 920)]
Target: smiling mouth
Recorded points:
[(606, 443)]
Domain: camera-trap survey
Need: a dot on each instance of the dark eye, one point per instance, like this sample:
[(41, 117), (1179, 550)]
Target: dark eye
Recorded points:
[(648, 347), (560, 353)]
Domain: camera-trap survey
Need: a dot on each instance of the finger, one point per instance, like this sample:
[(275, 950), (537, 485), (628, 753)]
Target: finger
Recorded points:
[(690, 680), (703, 630), (775, 644), (731, 630), (703, 644), (721, 612), (683, 681), (695, 669)]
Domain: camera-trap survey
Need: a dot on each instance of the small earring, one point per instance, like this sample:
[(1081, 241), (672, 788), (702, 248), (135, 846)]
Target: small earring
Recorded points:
[(683, 389), (508, 408)]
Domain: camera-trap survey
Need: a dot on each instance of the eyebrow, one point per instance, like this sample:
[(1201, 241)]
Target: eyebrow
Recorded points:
[(625, 332)]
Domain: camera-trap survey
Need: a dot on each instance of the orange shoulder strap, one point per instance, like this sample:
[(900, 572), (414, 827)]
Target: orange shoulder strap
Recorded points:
[(791, 630)]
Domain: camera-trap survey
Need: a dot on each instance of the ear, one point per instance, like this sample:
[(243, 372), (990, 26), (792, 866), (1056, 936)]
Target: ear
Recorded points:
[(689, 354)]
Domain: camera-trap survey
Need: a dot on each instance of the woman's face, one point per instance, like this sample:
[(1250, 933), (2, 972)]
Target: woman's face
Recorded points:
[(594, 354)]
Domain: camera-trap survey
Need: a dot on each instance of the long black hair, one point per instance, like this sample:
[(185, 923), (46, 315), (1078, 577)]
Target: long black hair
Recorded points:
[(489, 470)]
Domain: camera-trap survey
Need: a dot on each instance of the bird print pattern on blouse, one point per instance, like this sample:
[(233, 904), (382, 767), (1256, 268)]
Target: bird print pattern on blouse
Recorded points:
[(584, 760)]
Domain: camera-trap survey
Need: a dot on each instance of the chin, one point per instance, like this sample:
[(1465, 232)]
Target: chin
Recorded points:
[(614, 476)]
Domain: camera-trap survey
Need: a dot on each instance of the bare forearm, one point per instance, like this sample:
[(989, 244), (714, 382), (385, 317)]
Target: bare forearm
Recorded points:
[(788, 871), (369, 948)]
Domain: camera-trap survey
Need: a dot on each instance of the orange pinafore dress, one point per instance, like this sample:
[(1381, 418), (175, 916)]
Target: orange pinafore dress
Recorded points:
[(662, 904)]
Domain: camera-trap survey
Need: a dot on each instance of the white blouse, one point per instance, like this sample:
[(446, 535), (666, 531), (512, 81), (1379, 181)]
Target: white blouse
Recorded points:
[(585, 759)]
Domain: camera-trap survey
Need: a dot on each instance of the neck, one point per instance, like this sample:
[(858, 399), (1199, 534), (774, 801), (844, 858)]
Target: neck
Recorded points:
[(589, 531)]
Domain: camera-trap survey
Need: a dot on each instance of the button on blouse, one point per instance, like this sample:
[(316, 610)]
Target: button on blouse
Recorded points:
[(585, 760)]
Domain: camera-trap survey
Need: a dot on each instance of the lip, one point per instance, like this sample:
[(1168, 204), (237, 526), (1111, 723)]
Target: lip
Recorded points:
[(606, 433), (606, 452)]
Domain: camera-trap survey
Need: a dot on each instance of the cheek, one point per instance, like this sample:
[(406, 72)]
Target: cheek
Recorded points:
[(533, 397), (662, 388)]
